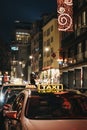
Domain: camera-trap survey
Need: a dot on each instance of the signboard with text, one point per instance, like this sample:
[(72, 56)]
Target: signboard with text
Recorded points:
[(46, 88)]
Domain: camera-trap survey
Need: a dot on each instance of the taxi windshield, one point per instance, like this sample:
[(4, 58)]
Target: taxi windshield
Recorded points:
[(4, 88), (55, 107)]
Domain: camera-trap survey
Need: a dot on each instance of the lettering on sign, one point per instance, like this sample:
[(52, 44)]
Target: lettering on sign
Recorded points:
[(50, 88)]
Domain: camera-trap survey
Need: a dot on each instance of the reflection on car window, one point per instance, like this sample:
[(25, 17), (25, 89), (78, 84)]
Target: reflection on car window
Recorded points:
[(54, 107), (18, 103), (11, 99), (4, 88)]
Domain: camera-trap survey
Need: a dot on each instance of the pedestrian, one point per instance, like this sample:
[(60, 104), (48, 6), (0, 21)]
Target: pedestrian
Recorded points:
[(32, 79)]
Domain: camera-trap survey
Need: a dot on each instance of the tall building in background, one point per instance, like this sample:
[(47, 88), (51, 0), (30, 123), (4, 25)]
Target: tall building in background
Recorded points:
[(20, 49), (45, 44), (36, 46)]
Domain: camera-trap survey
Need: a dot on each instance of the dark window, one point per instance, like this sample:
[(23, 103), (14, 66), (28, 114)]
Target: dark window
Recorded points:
[(54, 107)]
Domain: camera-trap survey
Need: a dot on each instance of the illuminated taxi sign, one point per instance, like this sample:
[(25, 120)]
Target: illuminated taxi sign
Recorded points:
[(50, 88)]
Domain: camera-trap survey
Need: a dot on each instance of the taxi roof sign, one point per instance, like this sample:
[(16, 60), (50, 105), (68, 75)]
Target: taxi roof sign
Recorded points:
[(46, 88)]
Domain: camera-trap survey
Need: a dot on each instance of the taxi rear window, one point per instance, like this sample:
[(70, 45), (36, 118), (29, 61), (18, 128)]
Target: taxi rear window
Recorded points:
[(55, 107)]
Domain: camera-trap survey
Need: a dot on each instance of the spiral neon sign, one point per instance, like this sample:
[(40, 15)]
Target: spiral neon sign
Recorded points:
[(65, 15)]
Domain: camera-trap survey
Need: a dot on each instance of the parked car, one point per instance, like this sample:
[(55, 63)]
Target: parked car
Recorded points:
[(5, 107), (7, 88), (35, 110), (10, 95), (82, 90)]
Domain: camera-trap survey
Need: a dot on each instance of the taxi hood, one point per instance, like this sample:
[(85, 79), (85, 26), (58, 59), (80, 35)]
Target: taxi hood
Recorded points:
[(56, 124)]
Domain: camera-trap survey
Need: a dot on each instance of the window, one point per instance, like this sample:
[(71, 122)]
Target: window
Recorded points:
[(79, 21), (56, 107), (79, 48), (48, 63), (18, 104), (48, 31), (51, 39), (86, 45), (80, 3), (71, 52), (48, 53), (45, 44), (51, 28), (84, 18), (45, 33), (48, 42)]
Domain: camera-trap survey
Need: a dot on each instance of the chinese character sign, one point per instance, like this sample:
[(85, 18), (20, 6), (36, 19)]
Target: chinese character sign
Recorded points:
[(65, 15)]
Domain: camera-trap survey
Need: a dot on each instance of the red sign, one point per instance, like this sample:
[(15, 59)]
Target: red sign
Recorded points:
[(65, 15), (53, 55)]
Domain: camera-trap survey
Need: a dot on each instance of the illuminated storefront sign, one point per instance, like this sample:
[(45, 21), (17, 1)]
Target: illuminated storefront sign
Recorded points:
[(65, 15)]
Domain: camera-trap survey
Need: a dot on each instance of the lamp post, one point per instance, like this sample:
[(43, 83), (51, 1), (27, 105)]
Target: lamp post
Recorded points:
[(30, 57), (47, 49), (29, 67), (21, 69)]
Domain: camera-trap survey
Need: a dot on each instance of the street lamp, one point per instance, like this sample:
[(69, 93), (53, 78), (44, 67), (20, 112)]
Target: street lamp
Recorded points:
[(48, 49), (30, 60), (30, 57), (29, 67), (21, 67)]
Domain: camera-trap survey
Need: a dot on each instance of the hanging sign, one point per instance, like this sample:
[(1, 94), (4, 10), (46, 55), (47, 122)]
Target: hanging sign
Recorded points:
[(65, 15)]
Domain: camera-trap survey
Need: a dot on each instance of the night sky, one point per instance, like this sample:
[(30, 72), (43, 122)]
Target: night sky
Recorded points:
[(22, 10)]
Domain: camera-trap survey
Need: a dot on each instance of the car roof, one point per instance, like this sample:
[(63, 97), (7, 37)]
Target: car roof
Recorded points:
[(10, 90), (13, 85), (6, 86), (35, 92), (50, 89)]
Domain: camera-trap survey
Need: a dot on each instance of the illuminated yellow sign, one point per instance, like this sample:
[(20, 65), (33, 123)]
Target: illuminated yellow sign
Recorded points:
[(50, 88)]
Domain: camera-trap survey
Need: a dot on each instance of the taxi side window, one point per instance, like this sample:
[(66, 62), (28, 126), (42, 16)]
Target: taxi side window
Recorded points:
[(18, 103)]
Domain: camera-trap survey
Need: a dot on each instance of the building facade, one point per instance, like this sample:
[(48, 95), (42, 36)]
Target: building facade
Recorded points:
[(20, 50), (36, 46), (74, 49), (51, 44)]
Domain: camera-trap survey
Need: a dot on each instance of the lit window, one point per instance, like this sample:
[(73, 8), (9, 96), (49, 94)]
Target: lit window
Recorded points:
[(84, 18)]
